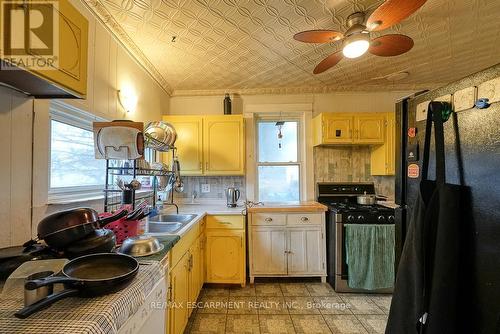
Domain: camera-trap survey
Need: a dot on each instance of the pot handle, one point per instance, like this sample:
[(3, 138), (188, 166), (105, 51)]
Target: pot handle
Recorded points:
[(104, 221), (38, 283), (45, 302)]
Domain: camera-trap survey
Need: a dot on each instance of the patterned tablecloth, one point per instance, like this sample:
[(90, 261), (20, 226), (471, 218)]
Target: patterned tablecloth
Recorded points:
[(99, 315)]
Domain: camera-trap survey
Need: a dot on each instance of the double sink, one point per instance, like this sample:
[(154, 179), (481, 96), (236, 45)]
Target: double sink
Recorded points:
[(168, 223)]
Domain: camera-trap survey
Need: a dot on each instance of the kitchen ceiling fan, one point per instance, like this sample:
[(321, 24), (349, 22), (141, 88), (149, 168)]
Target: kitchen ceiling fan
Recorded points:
[(357, 41)]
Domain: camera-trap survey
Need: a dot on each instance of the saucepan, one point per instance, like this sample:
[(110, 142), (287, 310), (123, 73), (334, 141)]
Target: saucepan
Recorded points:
[(61, 229), (370, 199), (86, 276)]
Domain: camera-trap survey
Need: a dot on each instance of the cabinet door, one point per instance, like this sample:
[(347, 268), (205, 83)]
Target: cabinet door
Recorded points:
[(225, 256), (203, 268), (188, 143), (223, 145), (390, 144), (194, 272), (71, 69), (370, 129), (383, 158), (268, 250), (337, 129), (305, 251), (179, 290)]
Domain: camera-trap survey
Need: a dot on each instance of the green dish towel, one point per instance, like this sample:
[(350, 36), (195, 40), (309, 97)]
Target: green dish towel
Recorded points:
[(370, 256)]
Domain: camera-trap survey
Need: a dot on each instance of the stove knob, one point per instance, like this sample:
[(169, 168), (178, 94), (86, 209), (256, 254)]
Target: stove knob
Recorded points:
[(361, 218), (390, 219), (381, 219), (350, 219)]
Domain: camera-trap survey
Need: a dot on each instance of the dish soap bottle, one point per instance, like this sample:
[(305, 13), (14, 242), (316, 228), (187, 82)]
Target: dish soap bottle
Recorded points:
[(159, 204)]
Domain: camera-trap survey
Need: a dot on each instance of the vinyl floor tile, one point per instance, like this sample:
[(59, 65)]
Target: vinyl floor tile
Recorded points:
[(345, 324), (310, 324), (276, 324), (239, 323)]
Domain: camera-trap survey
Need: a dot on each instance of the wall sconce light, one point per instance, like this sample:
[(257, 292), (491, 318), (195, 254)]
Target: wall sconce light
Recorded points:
[(127, 99)]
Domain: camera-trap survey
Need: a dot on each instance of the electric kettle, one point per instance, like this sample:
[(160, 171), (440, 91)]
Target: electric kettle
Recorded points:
[(232, 196)]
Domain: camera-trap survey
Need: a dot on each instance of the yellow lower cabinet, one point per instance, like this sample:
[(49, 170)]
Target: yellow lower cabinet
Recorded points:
[(179, 296), (225, 254), (194, 272)]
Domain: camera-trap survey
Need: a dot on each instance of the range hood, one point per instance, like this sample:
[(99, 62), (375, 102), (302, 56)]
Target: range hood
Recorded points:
[(33, 85)]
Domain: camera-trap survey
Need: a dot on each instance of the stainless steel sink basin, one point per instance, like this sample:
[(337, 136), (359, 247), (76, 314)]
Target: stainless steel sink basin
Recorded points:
[(164, 227), (172, 218), (168, 223)]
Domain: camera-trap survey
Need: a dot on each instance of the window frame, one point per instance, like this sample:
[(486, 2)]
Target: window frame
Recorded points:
[(67, 114), (300, 144)]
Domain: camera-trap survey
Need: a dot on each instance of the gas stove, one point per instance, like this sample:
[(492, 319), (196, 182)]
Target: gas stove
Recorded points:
[(353, 213), (341, 199)]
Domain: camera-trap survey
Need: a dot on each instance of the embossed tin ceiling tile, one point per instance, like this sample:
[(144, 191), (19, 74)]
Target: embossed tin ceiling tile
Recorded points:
[(209, 32), (464, 99)]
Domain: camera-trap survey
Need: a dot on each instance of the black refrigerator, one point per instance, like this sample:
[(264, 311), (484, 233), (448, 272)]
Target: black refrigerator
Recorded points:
[(472, 140)]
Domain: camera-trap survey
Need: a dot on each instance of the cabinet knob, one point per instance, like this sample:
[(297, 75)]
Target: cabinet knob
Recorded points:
[(304, 219), (268, 219)]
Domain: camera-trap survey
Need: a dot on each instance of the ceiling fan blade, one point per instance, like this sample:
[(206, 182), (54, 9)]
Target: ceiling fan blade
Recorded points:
[(391, 12), (328, 62), (390, 45), (318, 36)]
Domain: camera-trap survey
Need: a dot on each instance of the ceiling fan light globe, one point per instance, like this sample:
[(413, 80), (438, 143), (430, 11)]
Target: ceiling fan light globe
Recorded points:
[(355, 48)]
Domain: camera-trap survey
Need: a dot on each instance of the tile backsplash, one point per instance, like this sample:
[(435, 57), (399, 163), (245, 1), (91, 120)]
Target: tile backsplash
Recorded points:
[(218, 185), (349, 164)]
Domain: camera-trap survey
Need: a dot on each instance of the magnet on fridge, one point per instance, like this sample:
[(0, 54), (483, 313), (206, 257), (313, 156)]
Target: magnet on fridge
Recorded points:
[(412, 132), (412, 153), (413, 171)]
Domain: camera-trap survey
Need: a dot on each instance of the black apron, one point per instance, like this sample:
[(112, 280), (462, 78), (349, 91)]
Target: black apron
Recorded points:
[(434, 270)]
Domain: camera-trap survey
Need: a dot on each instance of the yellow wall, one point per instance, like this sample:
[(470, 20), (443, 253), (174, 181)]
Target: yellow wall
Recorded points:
[(331, 102), (110, 68)]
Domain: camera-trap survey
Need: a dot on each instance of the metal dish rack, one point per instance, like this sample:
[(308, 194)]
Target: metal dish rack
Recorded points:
[(113, 194)]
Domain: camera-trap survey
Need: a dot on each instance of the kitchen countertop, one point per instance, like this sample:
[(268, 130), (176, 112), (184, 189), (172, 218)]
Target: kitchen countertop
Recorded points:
[(309, 206)]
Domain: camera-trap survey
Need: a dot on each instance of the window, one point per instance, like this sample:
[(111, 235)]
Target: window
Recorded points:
[(74, 173), (278, 166)]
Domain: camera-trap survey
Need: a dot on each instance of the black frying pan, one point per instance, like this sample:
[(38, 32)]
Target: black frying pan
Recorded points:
[(86, 276), (60, 229), (99, 241)]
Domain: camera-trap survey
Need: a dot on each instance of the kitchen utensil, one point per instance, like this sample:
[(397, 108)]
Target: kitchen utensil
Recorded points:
[(141, 245), (160, 136), (120, 183), (134, 184), (366, 199), (61, 229), (119, 142), (85, 276), (32, 296), (232, 197), (119, 139), (143, 166), (16, 280), (176, 169), (99, 241)]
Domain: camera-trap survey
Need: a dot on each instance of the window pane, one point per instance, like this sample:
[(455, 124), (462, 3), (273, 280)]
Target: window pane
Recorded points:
[(72, 161), (269, 144), (278, 183)]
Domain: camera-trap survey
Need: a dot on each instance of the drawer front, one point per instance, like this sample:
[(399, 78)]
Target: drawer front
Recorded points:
[(305, 218), (226, 222), (268, 219)]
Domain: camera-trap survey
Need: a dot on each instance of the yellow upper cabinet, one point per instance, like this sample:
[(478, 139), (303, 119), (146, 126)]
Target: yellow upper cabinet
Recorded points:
[(210, 145), (337, 128), (224, 145), (67, 77), (369, 129), (383, 157), (189, 142), (349, 128)]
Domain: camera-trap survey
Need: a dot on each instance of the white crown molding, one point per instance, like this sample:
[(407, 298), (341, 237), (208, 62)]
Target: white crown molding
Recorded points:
[(101, 13)]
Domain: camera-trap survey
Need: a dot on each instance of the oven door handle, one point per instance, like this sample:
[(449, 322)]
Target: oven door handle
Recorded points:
[(339, 250)]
